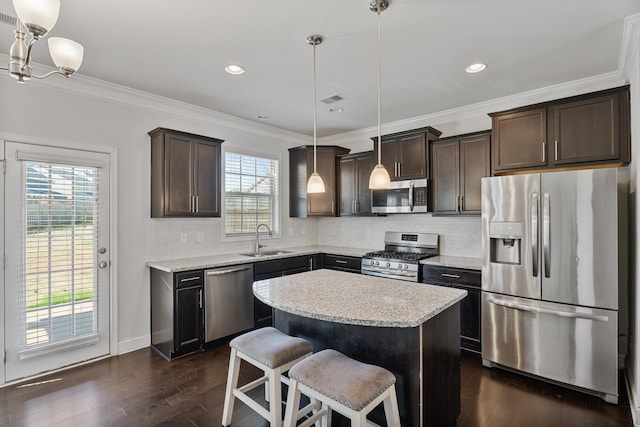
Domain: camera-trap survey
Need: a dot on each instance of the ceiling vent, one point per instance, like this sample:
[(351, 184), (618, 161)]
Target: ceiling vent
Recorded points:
[(331, 99), (7, 19)]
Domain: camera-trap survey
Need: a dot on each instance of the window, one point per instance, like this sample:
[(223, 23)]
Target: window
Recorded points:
[(251, 194)]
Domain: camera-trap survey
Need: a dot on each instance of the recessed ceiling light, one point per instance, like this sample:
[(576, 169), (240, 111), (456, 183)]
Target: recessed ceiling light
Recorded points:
[(236, 70), (262, 117), (476, 68), (336, 110)]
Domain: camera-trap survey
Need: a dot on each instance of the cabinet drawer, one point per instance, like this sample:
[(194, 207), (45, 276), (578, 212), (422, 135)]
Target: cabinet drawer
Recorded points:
[(189, 278), (343, 263), (281, 266), (451, 276)]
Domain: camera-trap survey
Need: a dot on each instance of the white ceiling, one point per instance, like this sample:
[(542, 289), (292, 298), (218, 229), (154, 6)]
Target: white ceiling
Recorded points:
[(178, 49)]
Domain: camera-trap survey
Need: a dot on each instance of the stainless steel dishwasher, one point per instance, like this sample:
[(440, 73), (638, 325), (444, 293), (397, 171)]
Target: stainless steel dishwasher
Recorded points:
[(228, 301)]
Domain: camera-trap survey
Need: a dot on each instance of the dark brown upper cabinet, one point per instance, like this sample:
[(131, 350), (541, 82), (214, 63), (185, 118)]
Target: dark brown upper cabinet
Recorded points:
[(302, 204), (405, 155), (581, 131), (185, 174), (457, 165), (355, 195)]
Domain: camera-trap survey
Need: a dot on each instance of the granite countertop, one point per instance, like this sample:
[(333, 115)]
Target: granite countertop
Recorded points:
[(455, 262), (221, 260), (341, 297)]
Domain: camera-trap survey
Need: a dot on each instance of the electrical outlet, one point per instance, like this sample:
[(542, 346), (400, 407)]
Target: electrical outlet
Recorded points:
[(200, 236), (183, 237)]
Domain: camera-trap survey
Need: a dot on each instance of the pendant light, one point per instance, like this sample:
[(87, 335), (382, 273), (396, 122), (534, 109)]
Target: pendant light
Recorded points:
[(315, 183), (379, 178)]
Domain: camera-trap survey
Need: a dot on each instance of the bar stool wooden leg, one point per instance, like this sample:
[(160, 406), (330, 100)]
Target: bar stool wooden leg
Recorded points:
[(232, 384), (391, 411)]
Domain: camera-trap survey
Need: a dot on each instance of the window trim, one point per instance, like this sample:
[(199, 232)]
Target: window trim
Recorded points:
[(247, 237)]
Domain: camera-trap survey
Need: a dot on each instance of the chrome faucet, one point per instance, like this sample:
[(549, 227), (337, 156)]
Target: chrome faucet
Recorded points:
[(258, 245)]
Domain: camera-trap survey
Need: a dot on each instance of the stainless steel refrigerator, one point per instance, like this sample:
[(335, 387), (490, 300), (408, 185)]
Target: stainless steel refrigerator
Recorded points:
[(550, 277)]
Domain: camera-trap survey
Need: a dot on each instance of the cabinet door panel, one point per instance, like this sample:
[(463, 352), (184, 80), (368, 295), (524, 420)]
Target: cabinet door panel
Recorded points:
[(178, 172), (348, 185), (587, 130), (323, 204), (364, 166), (474, 165), (188, 323), (519, 140), (389, 152), (413, 156), (207, 178), (446, 174)]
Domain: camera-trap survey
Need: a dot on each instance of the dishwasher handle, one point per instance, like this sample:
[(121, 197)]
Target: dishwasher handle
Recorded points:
[(227, 271)]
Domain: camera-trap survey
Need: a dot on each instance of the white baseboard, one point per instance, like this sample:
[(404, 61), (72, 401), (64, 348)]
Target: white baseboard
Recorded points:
[(134, 344)]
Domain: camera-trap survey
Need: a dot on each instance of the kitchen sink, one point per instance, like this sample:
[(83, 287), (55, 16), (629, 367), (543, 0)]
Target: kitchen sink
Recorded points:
[(265, 253)]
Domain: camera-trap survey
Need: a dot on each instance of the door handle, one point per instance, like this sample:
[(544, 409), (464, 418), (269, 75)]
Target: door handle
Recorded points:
[(452, 276), (540, 310), (340, 261), (546, 233), (197, 204), (190, 279), (411, 188), (556, 150), (534, 233), (200, 298)]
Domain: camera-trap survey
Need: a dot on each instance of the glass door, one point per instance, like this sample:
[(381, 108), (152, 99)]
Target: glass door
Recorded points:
[(57, 258)]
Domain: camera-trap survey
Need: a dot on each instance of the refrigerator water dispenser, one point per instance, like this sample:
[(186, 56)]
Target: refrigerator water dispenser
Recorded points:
[(505, 241)]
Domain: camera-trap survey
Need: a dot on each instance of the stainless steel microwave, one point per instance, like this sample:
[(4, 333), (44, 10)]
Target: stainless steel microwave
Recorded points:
[(408, 196)]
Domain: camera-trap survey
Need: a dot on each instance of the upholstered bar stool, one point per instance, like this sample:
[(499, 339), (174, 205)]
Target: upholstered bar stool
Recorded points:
[(274, 353), (344, 385)]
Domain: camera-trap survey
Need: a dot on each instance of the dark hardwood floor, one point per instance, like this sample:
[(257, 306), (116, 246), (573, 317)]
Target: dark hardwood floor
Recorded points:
[(142, 389)]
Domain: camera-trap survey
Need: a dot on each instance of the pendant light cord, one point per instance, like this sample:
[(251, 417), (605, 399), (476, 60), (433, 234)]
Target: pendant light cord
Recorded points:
[(379, 87), (314, 108)]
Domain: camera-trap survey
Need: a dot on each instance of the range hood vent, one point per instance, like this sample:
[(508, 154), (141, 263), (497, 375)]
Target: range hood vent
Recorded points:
[(331, 99)]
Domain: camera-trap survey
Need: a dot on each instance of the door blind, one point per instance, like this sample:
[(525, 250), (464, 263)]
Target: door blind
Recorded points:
[(59, 294)]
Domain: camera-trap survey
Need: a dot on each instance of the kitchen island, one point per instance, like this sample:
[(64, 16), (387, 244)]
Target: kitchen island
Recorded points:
[(409, 328)]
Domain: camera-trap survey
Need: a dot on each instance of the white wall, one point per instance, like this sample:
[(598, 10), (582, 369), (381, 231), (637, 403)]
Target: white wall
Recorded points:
[(633, 357)]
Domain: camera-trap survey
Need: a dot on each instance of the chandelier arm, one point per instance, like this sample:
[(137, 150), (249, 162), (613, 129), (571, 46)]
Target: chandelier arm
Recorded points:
[(27, 60), (50, 73)]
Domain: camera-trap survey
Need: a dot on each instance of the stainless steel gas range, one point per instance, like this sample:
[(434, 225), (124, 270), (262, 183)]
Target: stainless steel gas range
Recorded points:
[(401, 256)]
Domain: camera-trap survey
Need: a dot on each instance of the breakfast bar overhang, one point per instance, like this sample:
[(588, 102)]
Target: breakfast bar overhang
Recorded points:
[(411, 329)]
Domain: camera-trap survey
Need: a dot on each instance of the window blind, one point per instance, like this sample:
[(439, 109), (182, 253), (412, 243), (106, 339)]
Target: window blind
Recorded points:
[(251, 193), (59, 260)]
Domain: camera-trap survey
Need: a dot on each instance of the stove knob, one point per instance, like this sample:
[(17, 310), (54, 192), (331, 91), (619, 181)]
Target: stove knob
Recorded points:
[(406, 266), (377, 263), (372, 262), (388, 264), (399, 265)]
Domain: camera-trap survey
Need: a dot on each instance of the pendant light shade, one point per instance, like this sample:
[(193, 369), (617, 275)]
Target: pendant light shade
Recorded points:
[(41, 14), (315, 183), (379, 178)]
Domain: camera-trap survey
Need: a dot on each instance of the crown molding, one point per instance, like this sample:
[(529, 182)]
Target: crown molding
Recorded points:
[(629, 46), (126, 96), (477, 112)]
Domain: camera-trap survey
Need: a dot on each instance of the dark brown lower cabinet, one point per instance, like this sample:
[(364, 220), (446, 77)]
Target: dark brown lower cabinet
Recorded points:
[(470, 316), (263, 314), (177, 326)]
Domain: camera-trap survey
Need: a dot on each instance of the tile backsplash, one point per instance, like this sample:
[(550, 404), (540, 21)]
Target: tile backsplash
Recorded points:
[(459, 236), (191, 237)]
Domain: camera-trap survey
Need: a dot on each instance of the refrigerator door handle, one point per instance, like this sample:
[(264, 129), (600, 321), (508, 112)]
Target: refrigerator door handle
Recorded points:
[(534, 233), (546, 234), (539, 310)]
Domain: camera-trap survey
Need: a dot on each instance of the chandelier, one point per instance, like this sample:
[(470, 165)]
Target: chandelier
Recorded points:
[(38, 18)]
